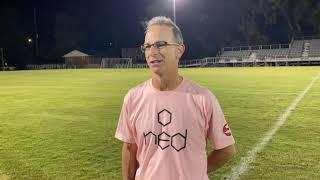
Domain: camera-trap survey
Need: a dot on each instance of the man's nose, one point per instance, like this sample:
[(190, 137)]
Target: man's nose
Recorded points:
[(154, 50)]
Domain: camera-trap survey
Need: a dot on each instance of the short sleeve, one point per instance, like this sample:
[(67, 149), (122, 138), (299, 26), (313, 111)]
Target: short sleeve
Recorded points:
[(124, 130), (218, 130)]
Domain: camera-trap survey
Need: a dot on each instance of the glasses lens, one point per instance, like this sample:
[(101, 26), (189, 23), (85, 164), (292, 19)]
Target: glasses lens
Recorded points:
[(160, 44)]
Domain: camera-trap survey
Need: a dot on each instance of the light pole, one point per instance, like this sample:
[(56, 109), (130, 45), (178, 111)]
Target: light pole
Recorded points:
[(2, 60), (174, 11), (35, 32)]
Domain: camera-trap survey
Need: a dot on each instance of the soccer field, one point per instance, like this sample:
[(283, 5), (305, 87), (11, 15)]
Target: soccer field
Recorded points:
[(60, 124)]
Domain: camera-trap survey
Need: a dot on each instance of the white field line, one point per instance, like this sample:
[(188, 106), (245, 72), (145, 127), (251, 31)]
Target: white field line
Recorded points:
[(244, 163), (4, 177)]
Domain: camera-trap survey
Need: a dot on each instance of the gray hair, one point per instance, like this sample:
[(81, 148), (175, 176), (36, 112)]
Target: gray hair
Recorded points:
[(162, 20)]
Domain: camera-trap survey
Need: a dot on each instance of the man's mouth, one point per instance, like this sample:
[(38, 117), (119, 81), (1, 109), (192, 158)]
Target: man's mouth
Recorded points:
[(155, 61)]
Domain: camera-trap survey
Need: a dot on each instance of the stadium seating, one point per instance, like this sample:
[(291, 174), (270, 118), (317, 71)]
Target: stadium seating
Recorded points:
[(314, 48), (282, 52), (296, 48), (293, 50), (243, 53)]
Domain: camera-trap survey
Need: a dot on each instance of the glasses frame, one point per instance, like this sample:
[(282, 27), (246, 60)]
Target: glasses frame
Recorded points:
[(158, 45)]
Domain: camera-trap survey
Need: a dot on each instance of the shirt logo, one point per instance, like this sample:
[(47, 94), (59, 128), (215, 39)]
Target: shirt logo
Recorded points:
[(164, 117), (164, 140), (226, 130)]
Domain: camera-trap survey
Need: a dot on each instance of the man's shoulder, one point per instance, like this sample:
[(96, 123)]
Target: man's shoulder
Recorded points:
[(138, 89), (198, 89)]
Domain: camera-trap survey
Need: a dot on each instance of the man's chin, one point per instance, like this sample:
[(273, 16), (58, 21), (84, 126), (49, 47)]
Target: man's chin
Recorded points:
[(156, 70)]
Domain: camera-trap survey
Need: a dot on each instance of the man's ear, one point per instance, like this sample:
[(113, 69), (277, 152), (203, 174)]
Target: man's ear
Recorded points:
[(180, 51)]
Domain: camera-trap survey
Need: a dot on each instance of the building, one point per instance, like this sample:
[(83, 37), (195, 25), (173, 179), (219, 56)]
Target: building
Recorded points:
[(81, 60)]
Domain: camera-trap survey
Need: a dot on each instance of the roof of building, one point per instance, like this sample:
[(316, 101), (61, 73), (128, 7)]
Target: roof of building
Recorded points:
[(75, 53)]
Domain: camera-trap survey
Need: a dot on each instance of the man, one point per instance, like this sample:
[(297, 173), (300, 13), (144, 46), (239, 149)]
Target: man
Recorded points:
[(166, 121)]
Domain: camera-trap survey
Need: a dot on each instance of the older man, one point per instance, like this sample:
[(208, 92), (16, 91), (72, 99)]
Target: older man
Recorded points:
[(166, 121)]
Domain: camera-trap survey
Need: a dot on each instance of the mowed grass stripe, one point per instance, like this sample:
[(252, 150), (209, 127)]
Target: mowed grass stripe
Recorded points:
[(294, 150), (252, 99), (245, 162), (61, 124), (63, 132)]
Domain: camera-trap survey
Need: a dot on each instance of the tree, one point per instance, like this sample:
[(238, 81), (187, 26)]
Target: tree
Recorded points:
[(298, 17), (209, 25)]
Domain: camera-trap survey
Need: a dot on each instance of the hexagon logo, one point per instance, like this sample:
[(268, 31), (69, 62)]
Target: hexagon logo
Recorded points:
[(178, 141), (164, 117), (162, 142)]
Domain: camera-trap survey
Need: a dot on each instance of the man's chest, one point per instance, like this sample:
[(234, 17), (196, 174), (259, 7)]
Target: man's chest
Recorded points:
[(168, 122)]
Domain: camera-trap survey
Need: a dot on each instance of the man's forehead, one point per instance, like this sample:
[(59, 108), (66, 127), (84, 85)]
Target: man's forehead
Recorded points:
[(159, 33), (162, 27)]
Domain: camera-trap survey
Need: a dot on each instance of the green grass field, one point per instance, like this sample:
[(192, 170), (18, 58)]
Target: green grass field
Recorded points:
[(60, 124)]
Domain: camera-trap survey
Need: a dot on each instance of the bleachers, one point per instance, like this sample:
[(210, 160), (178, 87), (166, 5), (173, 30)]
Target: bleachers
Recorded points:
[(296, 48), (242, 53), (282, 52), (314, 48)]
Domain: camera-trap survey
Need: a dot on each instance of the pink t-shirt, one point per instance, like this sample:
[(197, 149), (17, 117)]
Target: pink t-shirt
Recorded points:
[(171, 129)]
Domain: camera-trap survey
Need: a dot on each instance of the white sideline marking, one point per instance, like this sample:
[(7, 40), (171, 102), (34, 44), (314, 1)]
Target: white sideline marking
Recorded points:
[(4, 177), (243, 166)]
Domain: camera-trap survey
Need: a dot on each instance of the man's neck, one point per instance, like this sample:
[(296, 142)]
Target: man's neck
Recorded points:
[(166, 82)]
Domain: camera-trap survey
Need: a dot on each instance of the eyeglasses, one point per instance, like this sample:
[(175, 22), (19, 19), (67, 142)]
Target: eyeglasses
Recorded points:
[(158, 45)]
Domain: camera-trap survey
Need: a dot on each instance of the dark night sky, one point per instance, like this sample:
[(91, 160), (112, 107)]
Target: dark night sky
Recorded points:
[(119, 21), (103, 20)]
